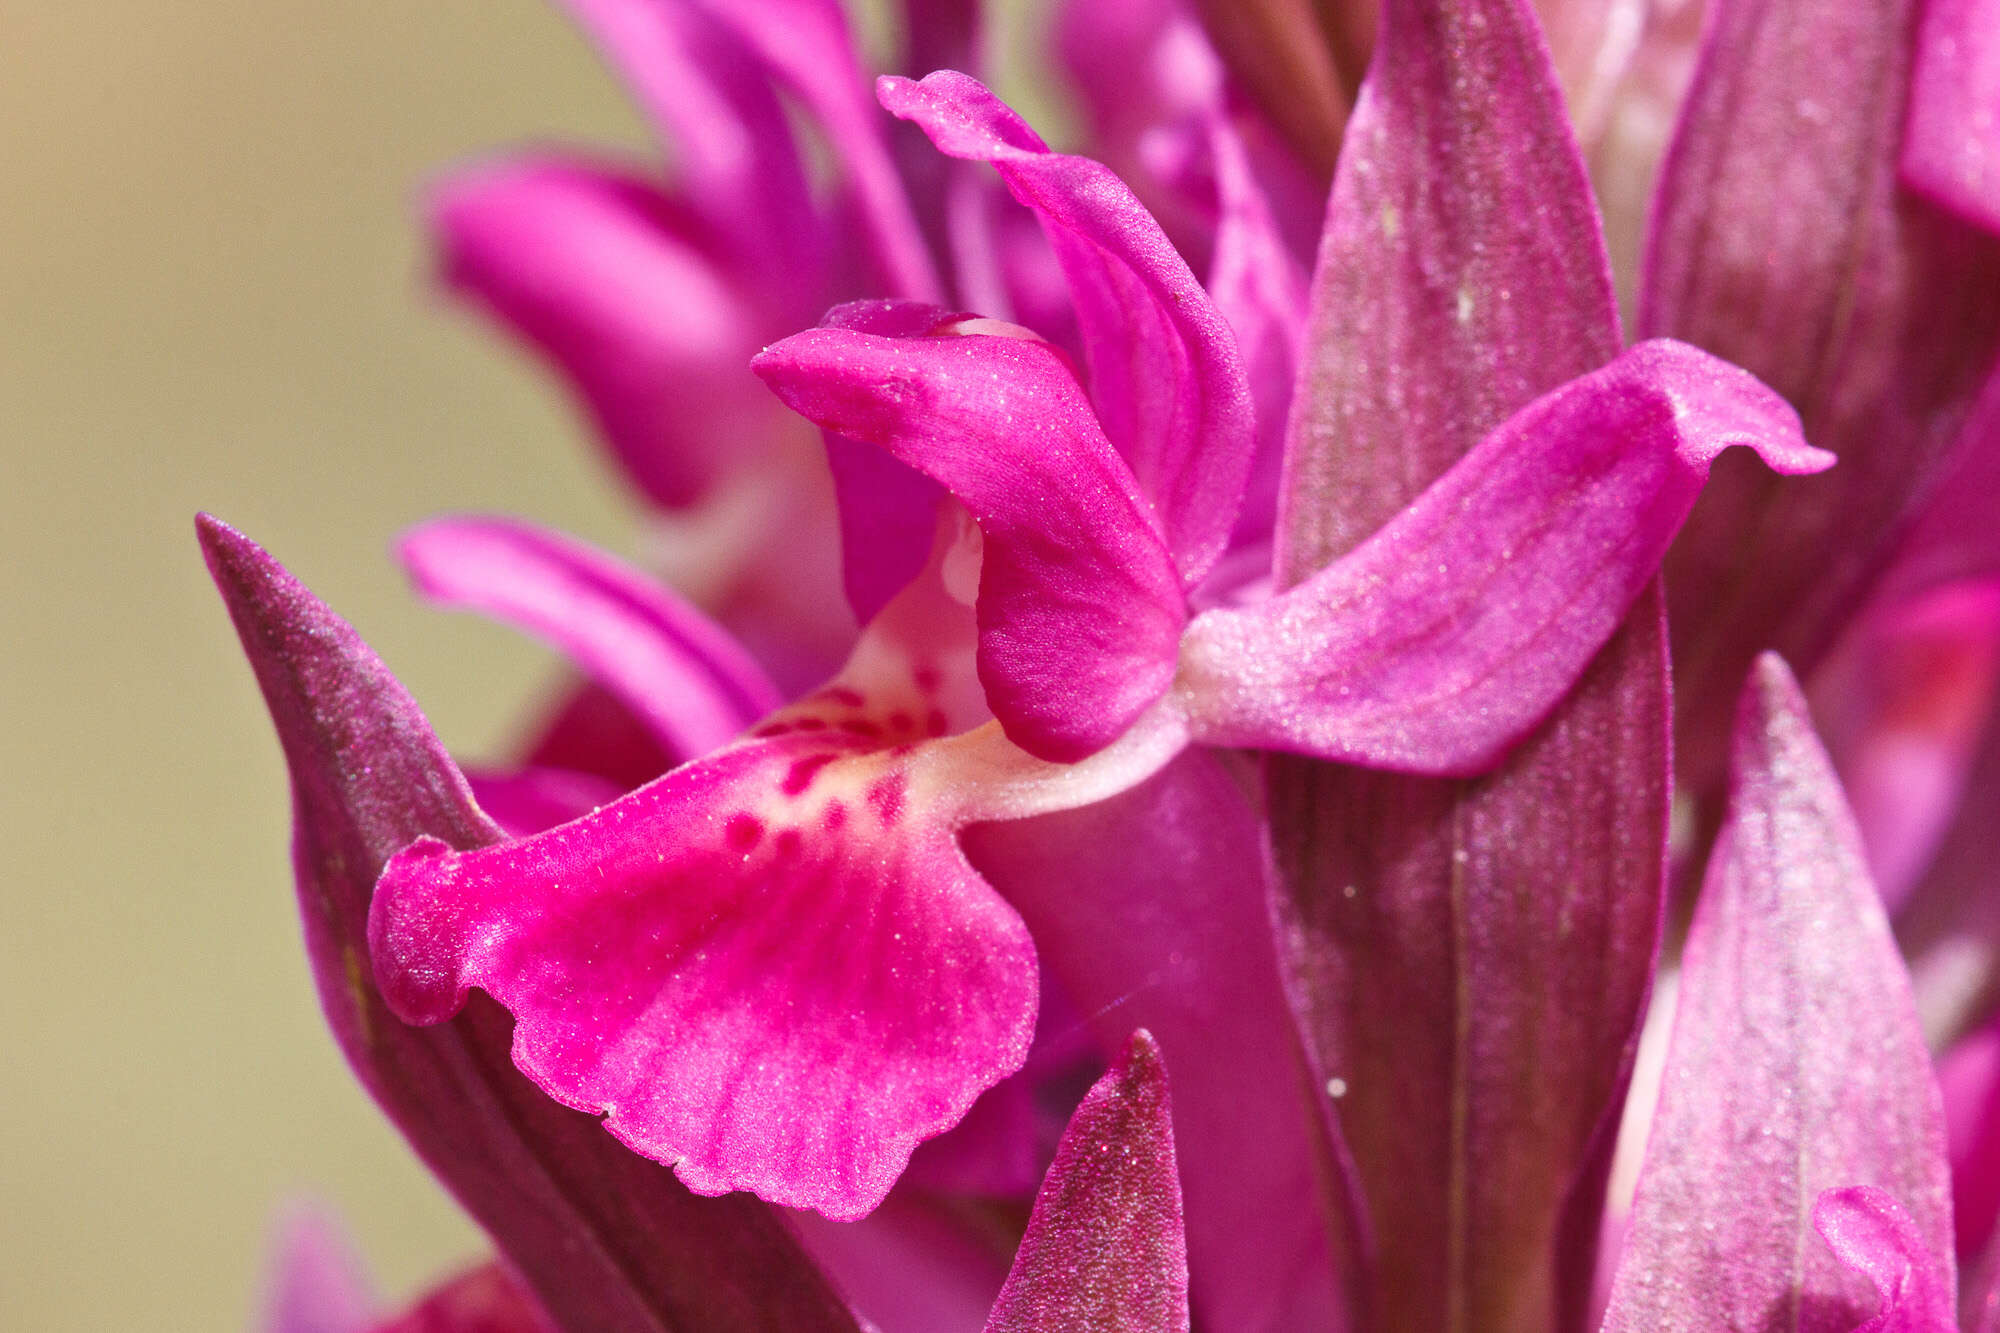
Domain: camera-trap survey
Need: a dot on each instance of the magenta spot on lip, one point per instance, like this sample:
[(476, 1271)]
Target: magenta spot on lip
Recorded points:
[(742, 832), (861, 726), (810, 724), (840, 694), (886, 796), (802, 772), (789, 844), (836, 815), (773, 729), (936, 723), (901, 721), (927, 679)]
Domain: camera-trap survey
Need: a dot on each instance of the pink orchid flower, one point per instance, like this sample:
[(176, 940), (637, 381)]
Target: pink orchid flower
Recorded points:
[(1283, 672)]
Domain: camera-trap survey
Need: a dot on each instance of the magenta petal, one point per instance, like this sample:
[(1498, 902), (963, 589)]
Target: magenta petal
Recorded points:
[(711, 101), (1164, 369), (600, 272), (1261, 291), (1444, 637), (1796, 1063), (605, 1238), (1781, 240), (1080, 608), (771, 968), (1875, 1236), (808, 45), (1951, 143), (888, 509), (1151, 909), (317, 1283), (1103, 1252), (679, 672)]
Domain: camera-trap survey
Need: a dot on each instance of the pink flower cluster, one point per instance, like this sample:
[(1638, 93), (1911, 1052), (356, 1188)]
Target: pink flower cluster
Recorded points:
[(1152, 623)]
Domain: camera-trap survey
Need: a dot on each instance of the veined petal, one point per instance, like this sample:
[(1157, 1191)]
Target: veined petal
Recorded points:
[(602, 274), (1796, 1065), (605, 1238), (1453, 630), (1080, 608), (1104, 1251), (1164, 370), (1951, 143), (1432, 315), (682, 674), (772, 968), (1423, 922)]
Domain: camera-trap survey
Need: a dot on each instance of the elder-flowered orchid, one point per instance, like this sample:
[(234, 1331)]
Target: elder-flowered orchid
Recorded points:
[(772, 967), (1113, 533)]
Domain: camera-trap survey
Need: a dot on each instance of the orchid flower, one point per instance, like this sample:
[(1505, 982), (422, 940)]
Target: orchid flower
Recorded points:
[(1278, 668), (772, 967)]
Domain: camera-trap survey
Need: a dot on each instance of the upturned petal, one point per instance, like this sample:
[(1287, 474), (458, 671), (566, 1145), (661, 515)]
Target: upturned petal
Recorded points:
[(1080, 608), (604, 276), (1951, 144), (1164, 370), (1796, 1065), (1104, 1251), (605, 1238), (681, 673), (1452, 631)]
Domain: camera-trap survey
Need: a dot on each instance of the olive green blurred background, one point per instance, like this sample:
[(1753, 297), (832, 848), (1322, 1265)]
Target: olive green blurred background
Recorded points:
[(212, 295)]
